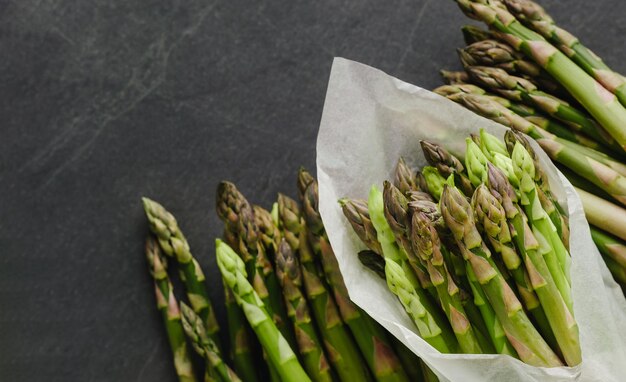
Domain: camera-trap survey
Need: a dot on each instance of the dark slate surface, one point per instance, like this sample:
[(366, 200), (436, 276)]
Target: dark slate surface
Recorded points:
[(106, 101)]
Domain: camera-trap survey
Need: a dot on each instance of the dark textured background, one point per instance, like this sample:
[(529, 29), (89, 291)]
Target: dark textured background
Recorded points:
[(106, 101)]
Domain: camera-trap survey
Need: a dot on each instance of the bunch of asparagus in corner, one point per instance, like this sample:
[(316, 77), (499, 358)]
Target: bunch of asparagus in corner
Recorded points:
[(476, 252), (289, 314), (529, 74)]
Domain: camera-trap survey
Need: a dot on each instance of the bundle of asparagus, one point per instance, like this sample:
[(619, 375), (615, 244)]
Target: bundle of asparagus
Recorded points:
[(289, 314), (476, 252), (529, 74)]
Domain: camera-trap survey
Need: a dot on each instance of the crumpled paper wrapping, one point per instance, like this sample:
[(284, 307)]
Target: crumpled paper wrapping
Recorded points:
[(370, 119)]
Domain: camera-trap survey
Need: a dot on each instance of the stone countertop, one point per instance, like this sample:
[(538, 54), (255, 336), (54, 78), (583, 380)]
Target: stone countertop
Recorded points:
[(106, 101)]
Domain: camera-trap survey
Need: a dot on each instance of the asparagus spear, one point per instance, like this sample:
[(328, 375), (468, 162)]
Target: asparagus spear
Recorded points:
[(374, 261), (492, 220), (166, 302), (357, 214), (610, 246), (269, 234), (451, 77), (396, 210), (342, 352), (500, 55), (425, 241), (493, 110), (472, 34), (590, 168), (542, 226), (175, 245), (602, 105), (205, 347), (528, 343), (603, 214), (447, 165), (239, 339), (475, 162), (536, 18), (433, 328), (404, 177), (543, 283), (519, 89), (371, 338), (290, 277), (280, 355)]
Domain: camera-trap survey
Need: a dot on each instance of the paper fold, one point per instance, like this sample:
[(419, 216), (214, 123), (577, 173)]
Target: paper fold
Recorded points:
[(370, 119)]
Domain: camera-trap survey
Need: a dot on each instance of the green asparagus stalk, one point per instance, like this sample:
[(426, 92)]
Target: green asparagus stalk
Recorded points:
[(269, 233), (472, 34), (425, 241), (536, 18), (618, 272), (493, 110), (357, 214), (610, 246), (590, 168), (452, 77), (204, 346), (310, 346), (175, 245), (404, 177), (603, 214), (167, 305), (342, 352), (543, 283), (447, 165), (514, 115), (519, 89), (238, 216), (280, 354), (396, 210), (374, 261), (240, 339), (582, 183), (433, 328), (542, 226), (600, 103), (528, 343), (492, 219)]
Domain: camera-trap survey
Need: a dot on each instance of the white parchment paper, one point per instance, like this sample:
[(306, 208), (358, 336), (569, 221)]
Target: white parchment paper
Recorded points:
[(369, 120)]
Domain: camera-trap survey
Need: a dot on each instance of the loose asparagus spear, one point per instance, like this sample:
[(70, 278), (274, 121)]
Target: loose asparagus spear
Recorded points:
[(425, 241), (536, 18), (432, 327), (472, 34), (500, 55), (603, 214), (279, 353), (204, 346), (528, 343), (590, 168), (342, 352), (492, 219), (519, 89), (602, 105), (559, 316), (290, 277), (610, 246), (240, 339), (238, 216), (166, 302), (175, 245)]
